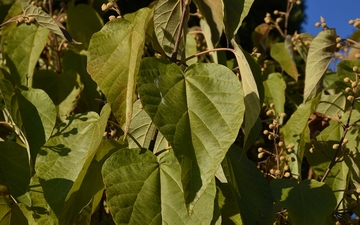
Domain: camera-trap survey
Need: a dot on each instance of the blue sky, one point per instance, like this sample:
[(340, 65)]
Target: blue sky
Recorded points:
[(336, 13)]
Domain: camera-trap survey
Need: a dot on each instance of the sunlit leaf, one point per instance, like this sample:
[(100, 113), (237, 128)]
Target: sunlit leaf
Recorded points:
[(144, 189), (199, 113), (234, 13), (320, 53), (332, 104), (282, 56), (309, 202), (115, 64), (275, 91), (22, 49)]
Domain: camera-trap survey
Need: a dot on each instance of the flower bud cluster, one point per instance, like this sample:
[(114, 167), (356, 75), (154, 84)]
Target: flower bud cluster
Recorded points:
[(355, 23), (322, 23), (27, 20)]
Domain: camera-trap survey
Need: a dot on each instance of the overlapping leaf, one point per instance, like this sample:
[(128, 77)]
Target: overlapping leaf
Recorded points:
[(234, 13), (113, 61), (143, 189), (71, 144), (22, 49), (309, 202), (275, 91), (282, 56), (332, 104), (320, 53), (199, 113)]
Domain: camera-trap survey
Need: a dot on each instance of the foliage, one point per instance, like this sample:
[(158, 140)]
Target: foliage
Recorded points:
[(144, 120)]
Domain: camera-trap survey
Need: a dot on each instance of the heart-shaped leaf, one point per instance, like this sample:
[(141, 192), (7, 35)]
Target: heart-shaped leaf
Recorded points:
[(199, 112)]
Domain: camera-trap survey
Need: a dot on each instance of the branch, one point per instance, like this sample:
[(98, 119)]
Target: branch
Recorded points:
[(178, 37)]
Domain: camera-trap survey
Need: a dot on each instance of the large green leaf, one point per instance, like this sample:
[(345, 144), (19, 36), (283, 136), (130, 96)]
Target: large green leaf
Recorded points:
[(234, 13), (167, 19), (142, 129), (22, 49), (292, 133), (309, 202), (199, 113), (14, 168), (213, 12), (275, 91), (320, 53), (144, 189), (113, 61), (11, 213), (62, 158), (78, 23), (38, 116), (282, 56), (252, 85), (250, 189), (230, 213), (88, 183), (332, 104), (319, 159)]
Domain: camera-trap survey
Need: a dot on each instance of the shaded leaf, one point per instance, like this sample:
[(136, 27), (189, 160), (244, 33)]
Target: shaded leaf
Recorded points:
[(317, 122), (71, 144), (206, 31), (167, 19), (282, 56), (275, 87), (22, 49), (230, 213), (234, 13), (14, 167), (321, 51), (309, 202), (250, 188), (114, 66), (260, 36), (82, 22), (302, 44), (7, 91), (190, 49), (143, 189), (46, 21), (199, 113)]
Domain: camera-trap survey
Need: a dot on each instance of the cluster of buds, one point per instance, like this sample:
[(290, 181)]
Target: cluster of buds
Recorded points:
[(268, 19), (322, 23), (354, 85), (355, 22), (255, 53), (28, 20), (111, 6), (298, 2), (340, 43), (298, 41)]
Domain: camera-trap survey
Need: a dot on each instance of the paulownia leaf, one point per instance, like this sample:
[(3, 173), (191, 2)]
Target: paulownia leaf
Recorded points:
[(88, 183), (252, 85), (332, 104), (199, 112), (302, 44), (62, 158), (206, 31), (213, 12), (190, 49), (14, 168), (142, 129), (46, 21), (321, 51), (7, 91), (167, 19), (250, 189), (282, 56), (292, 133), (10, 213), (78, 20), (309, 202), (115, 64), (38, 116), (275, 91), (234, 13), (144, 189), (230, 213), (22, 49)]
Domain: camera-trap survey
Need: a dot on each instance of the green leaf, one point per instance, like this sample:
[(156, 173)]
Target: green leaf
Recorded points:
[(319, 160), (250, 189), (206, 31), (302, 44), (252, 85), (345, 69), (88, 183), (234, 13), (213, 12), (90, 94), (22, 49), (275, 87), (190, 49), (43, 19), (62, 158), (114, 66), (332, 104), (292, 133), (167, 17), (321, 51), (82, 22), (142, 129), (230, 213), (143, 189), (199, 113), (38, 116), (14, 167), (7, 91), (282, 56), (309, 202)]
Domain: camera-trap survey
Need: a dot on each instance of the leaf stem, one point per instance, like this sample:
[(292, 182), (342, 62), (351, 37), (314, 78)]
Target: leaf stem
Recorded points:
[(178, 36), (153, 139)]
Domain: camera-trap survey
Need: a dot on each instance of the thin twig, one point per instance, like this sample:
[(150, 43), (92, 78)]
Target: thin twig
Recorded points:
[(206, 52), (153, 139)]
